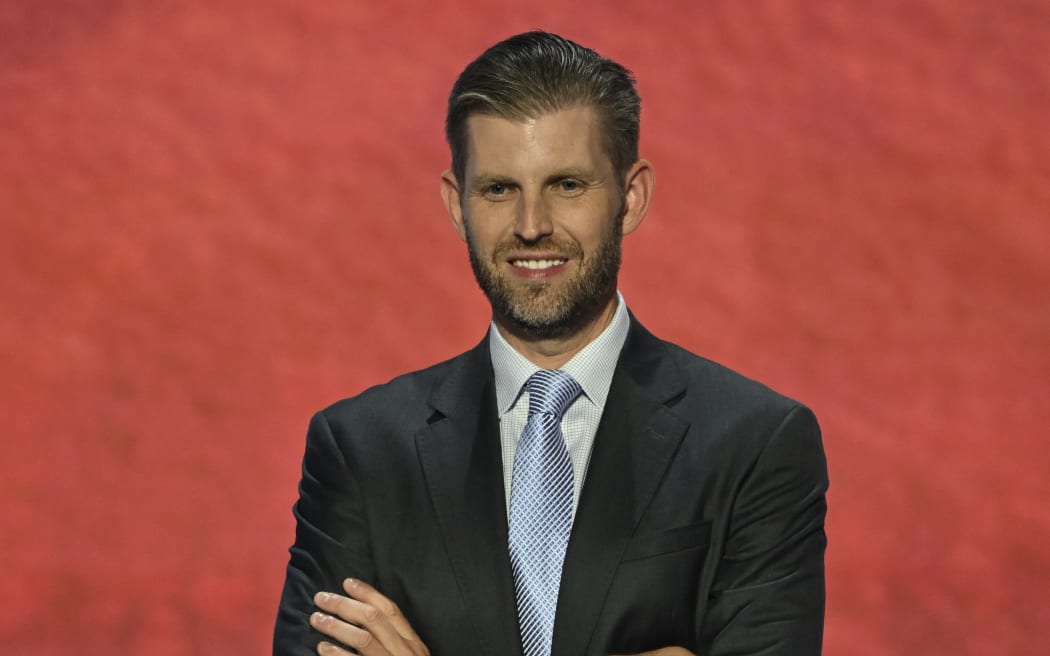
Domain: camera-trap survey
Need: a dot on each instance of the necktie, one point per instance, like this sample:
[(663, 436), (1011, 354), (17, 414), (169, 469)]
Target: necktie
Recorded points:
[(541, 494)]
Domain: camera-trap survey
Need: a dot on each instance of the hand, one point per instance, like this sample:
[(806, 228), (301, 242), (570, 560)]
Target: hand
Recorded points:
[(366, 621), (667, 651)]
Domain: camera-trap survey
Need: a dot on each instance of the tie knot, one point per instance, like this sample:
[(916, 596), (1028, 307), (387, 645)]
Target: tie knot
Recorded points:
[(552, 391)]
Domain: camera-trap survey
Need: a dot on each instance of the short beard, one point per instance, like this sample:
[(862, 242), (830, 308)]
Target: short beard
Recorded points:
[(528, 312)]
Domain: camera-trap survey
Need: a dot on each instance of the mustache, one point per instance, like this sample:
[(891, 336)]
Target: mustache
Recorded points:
[(546, 244)]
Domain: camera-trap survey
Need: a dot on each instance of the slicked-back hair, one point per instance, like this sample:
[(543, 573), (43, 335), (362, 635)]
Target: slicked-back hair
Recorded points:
[(535, 73)]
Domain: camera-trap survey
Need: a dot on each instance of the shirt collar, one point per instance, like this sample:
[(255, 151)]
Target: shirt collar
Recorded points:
[(592, 367)]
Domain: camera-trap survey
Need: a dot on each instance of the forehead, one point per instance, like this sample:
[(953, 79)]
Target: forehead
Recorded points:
[(569, 138)]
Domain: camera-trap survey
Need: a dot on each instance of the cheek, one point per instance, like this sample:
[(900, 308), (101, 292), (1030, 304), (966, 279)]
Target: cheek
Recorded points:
[(481, 236), (594, 228), (489, 226)]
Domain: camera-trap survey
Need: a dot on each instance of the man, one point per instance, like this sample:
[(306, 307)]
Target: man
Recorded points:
[(572, 485)]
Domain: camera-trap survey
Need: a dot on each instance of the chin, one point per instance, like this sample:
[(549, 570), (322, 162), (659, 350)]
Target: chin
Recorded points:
[(555, 323)]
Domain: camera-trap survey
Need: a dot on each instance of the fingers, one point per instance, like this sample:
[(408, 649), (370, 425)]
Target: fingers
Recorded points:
[(365, 593), (366, 621), (667, 651), (328, 649), (343, 621)]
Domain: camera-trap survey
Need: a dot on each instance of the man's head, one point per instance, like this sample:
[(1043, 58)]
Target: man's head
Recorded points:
[(535, 73), (546, 180)]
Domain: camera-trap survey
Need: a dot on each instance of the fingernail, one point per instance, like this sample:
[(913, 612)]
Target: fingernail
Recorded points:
[(352, 583)]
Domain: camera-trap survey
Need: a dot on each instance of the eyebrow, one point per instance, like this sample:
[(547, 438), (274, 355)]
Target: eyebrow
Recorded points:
[(573, 172), (483, 179)]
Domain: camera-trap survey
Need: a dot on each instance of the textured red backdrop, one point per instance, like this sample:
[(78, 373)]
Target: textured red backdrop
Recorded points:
[(216, 217)]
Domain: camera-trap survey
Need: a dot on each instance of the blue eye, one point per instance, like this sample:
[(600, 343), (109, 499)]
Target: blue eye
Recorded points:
[(569, 185), (496, 189)]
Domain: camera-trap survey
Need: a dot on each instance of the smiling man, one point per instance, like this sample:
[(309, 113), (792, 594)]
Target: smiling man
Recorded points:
[(572, 485), (543, 212)]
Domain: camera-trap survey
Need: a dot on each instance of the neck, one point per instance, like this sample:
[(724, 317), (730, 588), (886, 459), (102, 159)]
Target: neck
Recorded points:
[(554, 353)]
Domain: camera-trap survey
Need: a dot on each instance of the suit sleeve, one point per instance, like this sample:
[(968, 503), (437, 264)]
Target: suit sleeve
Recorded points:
[(767, 596), (331, 539)]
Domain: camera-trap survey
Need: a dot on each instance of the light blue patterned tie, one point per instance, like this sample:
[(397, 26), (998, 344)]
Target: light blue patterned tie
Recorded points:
[(541, 494)]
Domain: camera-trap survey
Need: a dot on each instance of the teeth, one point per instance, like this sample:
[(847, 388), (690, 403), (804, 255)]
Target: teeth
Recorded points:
[(537, 264)]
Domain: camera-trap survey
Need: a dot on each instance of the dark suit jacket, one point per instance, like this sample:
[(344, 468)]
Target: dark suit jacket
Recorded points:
[(700, 524)]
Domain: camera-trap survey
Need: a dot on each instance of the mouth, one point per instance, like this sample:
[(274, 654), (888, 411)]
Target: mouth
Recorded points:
[(538, 265)]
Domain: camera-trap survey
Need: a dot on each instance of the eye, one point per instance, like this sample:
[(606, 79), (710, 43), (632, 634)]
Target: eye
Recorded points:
[(496, 189), (569, 187)]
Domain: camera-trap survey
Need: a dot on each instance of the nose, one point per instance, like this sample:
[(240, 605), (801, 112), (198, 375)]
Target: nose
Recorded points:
[(533, 221)]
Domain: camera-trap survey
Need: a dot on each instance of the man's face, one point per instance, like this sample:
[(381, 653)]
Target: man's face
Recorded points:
[(541, 214)]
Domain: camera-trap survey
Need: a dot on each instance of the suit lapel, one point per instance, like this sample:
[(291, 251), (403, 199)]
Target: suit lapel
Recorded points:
[(460, 454), (636, 440)]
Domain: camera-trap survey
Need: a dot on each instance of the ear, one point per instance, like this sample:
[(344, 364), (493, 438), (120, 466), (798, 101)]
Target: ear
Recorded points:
[(450, 194), (638, 191)]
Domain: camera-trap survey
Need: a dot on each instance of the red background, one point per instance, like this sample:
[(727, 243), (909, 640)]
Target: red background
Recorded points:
[(218, 216)]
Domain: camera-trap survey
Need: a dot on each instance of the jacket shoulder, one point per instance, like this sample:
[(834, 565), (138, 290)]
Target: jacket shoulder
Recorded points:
[(400, 398), (719, 382), (654, 361), (740, 415)]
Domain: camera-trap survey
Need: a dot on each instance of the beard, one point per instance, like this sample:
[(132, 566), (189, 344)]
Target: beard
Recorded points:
[(545, 310)]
